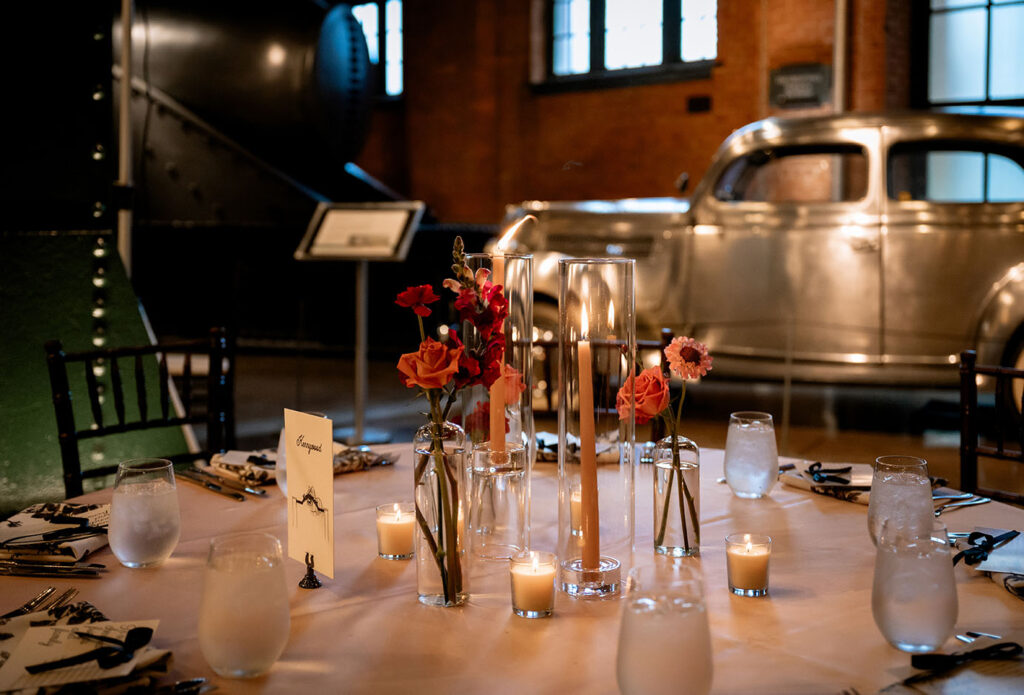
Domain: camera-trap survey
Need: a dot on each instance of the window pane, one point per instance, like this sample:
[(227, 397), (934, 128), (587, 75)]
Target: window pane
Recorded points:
[(393, 47), (632, 33), (1005, 180), (571, 47), (699, 32), (796, 175), (956, 61), (955, 177), (1006, 79), (945, 4), (367, 16)]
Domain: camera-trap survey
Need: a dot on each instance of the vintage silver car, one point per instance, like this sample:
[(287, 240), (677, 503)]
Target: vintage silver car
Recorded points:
[(850, 248)]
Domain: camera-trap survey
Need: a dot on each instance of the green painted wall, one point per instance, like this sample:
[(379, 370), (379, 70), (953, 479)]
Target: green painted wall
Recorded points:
[(51, 284)]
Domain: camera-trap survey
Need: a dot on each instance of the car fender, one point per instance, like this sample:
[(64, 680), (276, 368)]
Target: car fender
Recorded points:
[(1001, 313)]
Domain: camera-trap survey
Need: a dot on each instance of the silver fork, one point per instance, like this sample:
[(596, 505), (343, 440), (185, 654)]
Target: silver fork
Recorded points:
[(957, 505), (31, 604), (63, 599)]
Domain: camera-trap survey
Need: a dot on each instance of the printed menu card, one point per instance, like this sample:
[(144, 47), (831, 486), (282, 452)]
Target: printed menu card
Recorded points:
[(310, 447)]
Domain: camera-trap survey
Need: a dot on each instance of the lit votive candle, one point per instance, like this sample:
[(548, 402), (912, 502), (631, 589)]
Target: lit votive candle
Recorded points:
[(533, 584), (394, 530), (747, 556)]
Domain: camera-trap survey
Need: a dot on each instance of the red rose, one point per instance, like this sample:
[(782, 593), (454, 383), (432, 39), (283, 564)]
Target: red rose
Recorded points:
[(651, 395), (417, 298), (432, 366)]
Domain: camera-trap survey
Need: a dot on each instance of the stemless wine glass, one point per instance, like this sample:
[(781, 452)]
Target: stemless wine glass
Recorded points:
[(664, 640), (751, 457), (901, 494), (144, 518), (913, 598), (243, 615)]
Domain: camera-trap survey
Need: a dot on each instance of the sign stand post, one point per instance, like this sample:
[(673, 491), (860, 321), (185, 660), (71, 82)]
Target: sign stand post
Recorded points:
[(361, 232)]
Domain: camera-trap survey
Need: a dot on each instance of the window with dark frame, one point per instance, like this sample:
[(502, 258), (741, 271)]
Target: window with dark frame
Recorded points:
[(385, 47), (594, 43), (975, 55)]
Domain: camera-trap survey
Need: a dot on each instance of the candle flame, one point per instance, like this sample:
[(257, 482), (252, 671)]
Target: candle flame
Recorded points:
[(536, 561), (750, 546), (398, 513), (611, 317), (584, 323)]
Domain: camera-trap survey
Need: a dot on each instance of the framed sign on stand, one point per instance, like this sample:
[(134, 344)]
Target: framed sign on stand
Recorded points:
[(360, 233)]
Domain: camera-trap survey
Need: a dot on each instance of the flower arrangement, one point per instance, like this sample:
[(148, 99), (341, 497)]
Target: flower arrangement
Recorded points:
[(651, 397), (439, 369)]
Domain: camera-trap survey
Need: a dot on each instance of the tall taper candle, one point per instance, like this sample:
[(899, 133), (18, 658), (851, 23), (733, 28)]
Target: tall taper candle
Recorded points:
[(591, 531)]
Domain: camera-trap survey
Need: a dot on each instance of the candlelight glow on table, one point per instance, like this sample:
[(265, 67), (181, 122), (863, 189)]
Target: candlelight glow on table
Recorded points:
[(747, 557), (395, 523), (533, 584)]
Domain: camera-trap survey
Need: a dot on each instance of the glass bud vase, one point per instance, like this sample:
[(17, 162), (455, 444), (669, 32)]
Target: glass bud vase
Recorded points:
[(676, 497), (441, 574)]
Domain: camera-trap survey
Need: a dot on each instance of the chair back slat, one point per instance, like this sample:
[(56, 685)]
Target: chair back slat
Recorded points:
[(118, 388), (140, 389), (165, 393), (1009, 434), (93, 389), (213, 407), (186, 386)]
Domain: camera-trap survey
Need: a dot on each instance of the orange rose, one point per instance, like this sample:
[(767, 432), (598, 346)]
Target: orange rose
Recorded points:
[(432, 367), (651, 395)]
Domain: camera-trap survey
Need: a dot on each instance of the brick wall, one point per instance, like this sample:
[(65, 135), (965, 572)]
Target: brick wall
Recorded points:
[(472, 136)]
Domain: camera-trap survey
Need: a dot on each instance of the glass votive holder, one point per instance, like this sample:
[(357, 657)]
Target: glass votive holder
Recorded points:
[(533, 583), (746, 557), (395, 523)]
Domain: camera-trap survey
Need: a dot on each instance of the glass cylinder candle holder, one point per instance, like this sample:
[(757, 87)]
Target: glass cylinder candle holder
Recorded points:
[(533, 583), (395, 525), (596, 468), (747, 556), (497, 501), (510, 422)]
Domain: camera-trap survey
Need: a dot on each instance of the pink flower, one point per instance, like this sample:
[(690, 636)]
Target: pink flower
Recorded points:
[(688, 358), (651, 395)]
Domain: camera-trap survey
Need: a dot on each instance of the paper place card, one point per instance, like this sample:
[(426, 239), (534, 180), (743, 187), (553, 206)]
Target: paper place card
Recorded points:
[(310, 456), (53, 642)]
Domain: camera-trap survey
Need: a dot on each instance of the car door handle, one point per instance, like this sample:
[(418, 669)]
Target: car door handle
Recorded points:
[(863, 244)]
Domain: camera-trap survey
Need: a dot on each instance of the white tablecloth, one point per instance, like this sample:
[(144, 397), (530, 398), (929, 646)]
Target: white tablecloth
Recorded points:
[(365, 632)]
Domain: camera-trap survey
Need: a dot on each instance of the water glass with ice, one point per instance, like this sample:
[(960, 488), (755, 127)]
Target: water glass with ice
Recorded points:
[(751, 457), (664, 638), (243, 615), (901, 494), (913, 598), (144, 518)]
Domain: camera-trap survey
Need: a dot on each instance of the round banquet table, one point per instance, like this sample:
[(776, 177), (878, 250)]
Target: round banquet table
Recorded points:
[(365, 632)]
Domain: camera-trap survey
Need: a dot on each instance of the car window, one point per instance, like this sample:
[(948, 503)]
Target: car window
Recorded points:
[(811, 174), (956, 172)]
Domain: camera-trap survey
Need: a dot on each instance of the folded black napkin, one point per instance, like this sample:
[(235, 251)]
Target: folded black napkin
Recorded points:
[(54, 532)]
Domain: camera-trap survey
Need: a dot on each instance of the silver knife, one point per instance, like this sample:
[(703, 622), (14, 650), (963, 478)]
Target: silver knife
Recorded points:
[(233, 484), (213, 487)]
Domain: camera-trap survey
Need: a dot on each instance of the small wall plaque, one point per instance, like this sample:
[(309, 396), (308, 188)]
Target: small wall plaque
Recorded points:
[(801, 85)]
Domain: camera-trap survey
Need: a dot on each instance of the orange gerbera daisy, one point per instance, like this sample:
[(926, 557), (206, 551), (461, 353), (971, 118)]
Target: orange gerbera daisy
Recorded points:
[(688, 358)]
